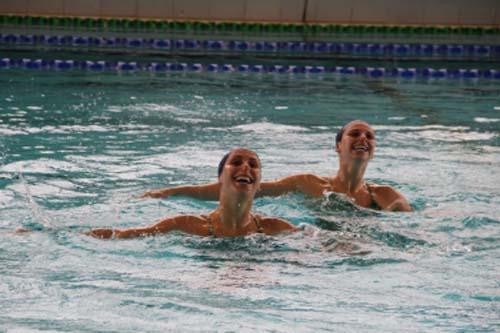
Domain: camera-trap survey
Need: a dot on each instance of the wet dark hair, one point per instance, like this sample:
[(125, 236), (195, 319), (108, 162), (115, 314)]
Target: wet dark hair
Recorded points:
[(222, 162), (339, 135)]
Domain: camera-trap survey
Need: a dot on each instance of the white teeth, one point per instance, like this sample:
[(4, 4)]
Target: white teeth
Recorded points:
[(243, 179)]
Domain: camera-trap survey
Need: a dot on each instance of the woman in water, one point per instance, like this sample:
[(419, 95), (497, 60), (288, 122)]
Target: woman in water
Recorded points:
[(239, 179), (355, 145)]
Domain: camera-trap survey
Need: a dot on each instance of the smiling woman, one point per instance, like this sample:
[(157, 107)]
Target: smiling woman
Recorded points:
[(355, 145), (239, 179)]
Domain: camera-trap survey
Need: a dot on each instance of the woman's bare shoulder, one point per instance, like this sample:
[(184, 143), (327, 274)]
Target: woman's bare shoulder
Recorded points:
[(192, 224), (382, 189), (274, 225), (316, 178), (388, 198)]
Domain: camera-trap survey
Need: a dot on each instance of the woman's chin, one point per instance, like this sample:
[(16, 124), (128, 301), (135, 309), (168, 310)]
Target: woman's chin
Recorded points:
[(243, 191)]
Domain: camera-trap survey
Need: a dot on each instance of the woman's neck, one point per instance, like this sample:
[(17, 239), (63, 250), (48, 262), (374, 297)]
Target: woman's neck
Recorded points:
[(234, 212), (350, 178)]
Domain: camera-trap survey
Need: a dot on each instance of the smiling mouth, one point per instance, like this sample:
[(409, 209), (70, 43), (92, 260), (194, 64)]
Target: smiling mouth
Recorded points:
[(361, 148), (244, 180)]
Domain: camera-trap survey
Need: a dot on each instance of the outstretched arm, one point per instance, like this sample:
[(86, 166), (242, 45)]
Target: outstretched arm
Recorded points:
[(186, 223), (203, 192), (306, 183), (391, 200)]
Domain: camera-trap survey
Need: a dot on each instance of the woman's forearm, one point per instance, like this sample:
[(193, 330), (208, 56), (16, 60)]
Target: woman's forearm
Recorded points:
[(308, 184), (277, 187), (203, 192)]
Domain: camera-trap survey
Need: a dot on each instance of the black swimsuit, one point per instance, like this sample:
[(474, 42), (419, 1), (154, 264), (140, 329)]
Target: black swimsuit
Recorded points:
[(374, 204), (255, 218)]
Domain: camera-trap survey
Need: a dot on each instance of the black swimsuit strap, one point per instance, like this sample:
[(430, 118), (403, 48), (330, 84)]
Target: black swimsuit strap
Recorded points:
[(256, 219), (211, 229), (369, 188), (372, 195)]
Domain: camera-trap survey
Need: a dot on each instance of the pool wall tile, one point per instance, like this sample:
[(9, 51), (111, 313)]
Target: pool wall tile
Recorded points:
[(339, 11), (292, 10), (119, 8), (14, 6), (227, 9), (442, 12), (155, 8), (82, 7), (371, 11), (274, 10), (424, 12), (46, 7), (191, 9), (405, 12), (484, 14), (497, 15)]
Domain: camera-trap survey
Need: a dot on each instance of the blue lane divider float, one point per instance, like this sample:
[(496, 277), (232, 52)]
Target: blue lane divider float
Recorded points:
[(158, 67), (239, 46)]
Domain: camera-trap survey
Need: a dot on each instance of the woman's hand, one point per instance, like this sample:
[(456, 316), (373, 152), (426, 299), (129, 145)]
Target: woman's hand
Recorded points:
[(101, 233), (155, 194)]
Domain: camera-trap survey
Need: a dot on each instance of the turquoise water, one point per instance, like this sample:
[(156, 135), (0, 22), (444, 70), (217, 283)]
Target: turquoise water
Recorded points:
[(76, 147)]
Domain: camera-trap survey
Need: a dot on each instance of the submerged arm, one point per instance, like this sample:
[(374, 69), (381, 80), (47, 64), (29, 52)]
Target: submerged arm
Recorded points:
[(203, 192), (391, 200)]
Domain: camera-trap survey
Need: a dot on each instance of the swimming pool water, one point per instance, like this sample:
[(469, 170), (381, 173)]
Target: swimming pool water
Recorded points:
[(76, 147)]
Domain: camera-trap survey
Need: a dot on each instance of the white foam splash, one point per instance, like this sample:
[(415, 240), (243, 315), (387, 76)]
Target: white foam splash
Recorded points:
[(65, 129), (45, 166), (38, 213), (420, 128), (152, 107), (486, 120), (34, 108), (456, 136), (5, 131), (266, 127), (193, 120)]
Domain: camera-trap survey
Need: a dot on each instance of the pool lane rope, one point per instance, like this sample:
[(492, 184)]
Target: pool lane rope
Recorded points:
[(392, 50), (165, 67)]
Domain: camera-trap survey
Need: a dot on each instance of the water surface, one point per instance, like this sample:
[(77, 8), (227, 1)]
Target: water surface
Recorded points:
[(76, 147)]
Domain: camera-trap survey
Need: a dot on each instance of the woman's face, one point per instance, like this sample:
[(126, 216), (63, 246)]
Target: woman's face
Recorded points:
[(358, 141), (241, 171)]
